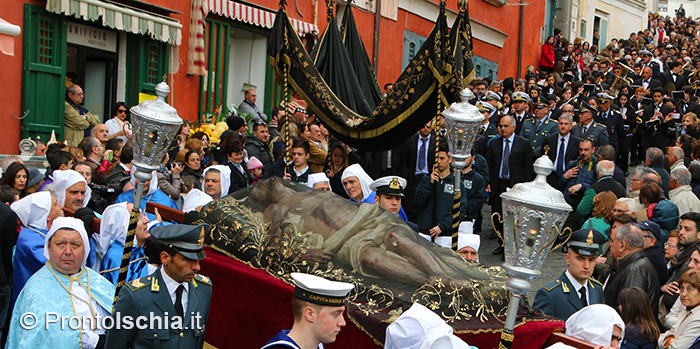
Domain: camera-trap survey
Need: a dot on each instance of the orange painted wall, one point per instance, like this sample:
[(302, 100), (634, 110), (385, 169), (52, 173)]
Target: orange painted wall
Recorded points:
[(11, 76)]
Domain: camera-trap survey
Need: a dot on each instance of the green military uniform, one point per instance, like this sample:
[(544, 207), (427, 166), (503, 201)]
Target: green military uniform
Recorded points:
[(560, 298), (536, 131), (596, 132), (150, 297)]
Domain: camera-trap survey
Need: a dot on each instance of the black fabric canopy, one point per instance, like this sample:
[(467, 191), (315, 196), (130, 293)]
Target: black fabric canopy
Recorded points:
[(411, 103)]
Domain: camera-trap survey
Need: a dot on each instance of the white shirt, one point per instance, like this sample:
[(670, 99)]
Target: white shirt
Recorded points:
[(90, 336), (566, 145), (172, 285), (577, 287)]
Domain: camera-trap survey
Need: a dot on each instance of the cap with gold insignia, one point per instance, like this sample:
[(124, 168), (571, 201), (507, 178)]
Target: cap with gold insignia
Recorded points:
[(490, 95), (187, 240), (586, 108), (484, 107), (520, 97), (389, 185), (604, 97), (315, 289), (540, 102), (586, 242)]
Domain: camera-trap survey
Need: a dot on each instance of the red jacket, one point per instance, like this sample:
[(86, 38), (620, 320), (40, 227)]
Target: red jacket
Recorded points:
[(547, 57)]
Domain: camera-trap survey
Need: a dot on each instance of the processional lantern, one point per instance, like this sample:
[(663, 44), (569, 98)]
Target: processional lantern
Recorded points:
[(533, 214), (463, 121), (154, 126)]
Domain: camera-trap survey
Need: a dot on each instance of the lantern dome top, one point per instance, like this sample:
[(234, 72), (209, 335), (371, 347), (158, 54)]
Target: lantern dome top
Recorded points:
[(464, 111), (539, 193), (158, 110)]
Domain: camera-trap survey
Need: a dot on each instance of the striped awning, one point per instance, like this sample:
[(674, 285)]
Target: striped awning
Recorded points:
[(255, 16), (121, 18)]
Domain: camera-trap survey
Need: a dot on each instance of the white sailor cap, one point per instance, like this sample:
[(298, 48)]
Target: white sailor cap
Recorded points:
[(520, 97), (604, 97), (389, 185), (492, 95), (318, 290), (484, 107)]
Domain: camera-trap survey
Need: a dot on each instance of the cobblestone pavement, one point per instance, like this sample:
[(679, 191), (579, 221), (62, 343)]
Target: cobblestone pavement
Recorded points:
[(554, 265)]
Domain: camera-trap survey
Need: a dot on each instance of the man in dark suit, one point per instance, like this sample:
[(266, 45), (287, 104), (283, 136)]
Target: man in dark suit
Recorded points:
[(174, 289), (653, 127), (673, 76), (553, 144), (575, 288), (510, 161), (649, 83), (417, 161)]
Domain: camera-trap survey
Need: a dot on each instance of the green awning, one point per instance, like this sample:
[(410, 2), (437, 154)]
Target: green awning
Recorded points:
[(121, 18)]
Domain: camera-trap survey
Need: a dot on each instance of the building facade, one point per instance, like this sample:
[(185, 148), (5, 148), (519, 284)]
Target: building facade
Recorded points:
[(610, 18), (211, 51)]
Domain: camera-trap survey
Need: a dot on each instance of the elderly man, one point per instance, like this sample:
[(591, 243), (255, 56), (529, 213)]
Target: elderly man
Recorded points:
[(101, 132), (561, 147), (575, 288), (319, 181), (580, 173), (37, 213), (248, 106), (71, 189), (217, 180), (676, 158), (605, 182), (681, 193), (633, 269), (77, 118), (317, 150), (318, 307), (655, 160), (510, 159), (631, 207), (94, 152), (174, 290), (539, 127), (75, 292)]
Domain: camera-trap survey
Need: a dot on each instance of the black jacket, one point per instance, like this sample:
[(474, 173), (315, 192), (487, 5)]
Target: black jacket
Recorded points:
[(656, 257), (257, 148), (552, 143), (239, 180), (634, 269)]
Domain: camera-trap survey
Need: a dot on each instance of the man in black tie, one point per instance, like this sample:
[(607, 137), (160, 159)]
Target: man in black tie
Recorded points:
[(647, 81), (673, 76), (561, 148), (575, 288), (417, 160), (510, 161), (520, 101)]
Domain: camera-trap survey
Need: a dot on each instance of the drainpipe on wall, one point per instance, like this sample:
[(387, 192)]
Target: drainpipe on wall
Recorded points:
[(375, 50), (520, 38)]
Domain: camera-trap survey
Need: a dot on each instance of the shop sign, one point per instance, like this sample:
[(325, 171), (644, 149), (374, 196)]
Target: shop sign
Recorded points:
[(84, 35)]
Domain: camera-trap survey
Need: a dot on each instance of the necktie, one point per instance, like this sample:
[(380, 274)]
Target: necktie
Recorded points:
[(178, 301), (506, 161), (582, 291), (422, 153), (560, 159), (585, 129), (605, 115)]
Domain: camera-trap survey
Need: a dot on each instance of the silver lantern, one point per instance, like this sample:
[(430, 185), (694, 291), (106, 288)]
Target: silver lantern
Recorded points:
[(155, 124), (533, 214), (463, 121)]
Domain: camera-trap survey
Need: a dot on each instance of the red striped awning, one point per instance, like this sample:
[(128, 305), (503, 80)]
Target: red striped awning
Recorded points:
[(255, 16)]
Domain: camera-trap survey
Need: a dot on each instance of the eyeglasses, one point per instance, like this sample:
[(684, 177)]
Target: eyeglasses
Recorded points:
[(121, 110), (671, 246), (617, 210)]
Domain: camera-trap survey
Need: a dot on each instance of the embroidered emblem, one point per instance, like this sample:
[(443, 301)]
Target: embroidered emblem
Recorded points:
[(154, 285), (589, 240), (200, 242), (394, 184)]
